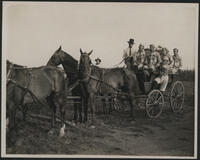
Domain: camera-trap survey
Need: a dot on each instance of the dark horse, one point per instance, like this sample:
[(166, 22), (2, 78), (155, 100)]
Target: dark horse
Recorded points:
[(111, 80), (70, 66), (26, 84)]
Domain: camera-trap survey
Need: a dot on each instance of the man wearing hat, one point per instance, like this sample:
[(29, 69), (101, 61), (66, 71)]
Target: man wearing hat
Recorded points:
[(129, 54), (162, 80), (153, 58), (97, 61), (177, 61), (140, 59), (152, 61)]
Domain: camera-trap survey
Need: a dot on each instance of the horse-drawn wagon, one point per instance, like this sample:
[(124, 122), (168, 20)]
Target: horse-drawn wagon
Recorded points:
[(154, 102)]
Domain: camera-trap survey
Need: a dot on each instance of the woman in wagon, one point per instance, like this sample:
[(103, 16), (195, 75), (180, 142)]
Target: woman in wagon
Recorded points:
[(177, 61), (129, 54), (152, 61), (161, 81)]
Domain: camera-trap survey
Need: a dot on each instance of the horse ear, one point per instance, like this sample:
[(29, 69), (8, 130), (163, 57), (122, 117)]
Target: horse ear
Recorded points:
[(59, 48), (90, 53), (81, 51)]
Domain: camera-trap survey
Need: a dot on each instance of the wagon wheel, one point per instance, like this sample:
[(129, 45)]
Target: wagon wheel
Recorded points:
[(177, 96), (154, 104)]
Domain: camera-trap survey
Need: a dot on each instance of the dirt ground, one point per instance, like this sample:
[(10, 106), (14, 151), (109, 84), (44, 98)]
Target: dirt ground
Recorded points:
[(171, 134)]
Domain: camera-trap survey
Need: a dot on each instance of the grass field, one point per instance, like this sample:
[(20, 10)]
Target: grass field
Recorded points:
[(171, 134)]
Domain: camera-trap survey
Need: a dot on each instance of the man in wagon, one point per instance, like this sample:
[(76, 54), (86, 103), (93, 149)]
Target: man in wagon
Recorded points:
[(161, 81), (152, 61), (129, 54), (140, 59), (97, 61), (177, 61)]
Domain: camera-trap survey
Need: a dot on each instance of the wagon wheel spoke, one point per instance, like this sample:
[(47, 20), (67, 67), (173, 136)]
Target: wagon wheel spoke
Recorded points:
[(177, 96), (154, 104)]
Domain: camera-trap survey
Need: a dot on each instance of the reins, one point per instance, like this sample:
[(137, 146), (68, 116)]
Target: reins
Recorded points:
[(89, 76)]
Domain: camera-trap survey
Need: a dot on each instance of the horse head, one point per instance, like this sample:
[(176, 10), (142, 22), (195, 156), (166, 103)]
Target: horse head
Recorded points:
[(85, 63), (57, 58)]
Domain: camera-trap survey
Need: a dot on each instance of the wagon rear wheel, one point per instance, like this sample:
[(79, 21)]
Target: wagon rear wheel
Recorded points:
[(154, 104), (177, 96)]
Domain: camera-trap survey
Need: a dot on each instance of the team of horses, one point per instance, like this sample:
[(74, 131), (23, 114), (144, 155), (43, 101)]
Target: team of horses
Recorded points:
[(51, 83)]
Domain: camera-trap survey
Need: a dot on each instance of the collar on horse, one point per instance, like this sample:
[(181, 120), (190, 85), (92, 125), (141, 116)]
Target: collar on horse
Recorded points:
[(100, 80)]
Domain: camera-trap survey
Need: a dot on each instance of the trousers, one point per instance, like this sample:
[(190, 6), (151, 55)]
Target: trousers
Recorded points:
[(163, 81)]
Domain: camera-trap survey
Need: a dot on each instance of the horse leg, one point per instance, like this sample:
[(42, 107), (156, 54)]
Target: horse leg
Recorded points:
[(93, 109), (75, 111), (53, 108), (104, 105), (85, 110), (24, 110), (132, 103), (12, 127), (110, 105), (80, 110)]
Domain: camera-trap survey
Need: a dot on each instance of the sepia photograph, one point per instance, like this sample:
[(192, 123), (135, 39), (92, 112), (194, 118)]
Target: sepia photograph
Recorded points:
[(99, 80)]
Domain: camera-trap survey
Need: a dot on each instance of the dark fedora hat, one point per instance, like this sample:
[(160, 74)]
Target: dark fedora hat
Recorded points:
[(131, 41)]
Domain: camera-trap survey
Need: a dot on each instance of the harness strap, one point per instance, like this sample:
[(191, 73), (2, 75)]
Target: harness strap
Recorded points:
[(27, 82), (72, 86), (35, 99), (102, 79)]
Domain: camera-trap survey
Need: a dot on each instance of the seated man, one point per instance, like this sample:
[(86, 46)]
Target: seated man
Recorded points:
[(152, 62), (166, 58), (163, 77), (162, 80), (140, 58), (177, 61)]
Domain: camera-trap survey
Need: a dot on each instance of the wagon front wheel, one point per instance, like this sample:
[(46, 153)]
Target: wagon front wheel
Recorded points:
[(177, 96), (154, 104)]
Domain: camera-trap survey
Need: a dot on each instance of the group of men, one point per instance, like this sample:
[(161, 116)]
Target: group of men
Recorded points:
[(152, 64)]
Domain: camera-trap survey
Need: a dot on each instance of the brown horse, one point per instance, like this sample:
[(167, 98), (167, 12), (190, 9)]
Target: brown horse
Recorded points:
[(94, 81), (70, 66), (25, 85)]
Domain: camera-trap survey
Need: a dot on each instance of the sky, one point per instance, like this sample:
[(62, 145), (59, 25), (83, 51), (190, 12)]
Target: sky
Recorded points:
[(33, 31)]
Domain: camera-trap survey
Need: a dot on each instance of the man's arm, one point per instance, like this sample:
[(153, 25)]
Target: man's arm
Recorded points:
[(170, 59), (180, 63), (124, 54), (159, 60)]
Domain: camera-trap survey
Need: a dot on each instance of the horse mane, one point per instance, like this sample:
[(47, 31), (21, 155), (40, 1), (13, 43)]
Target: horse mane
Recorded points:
[(69, 63)]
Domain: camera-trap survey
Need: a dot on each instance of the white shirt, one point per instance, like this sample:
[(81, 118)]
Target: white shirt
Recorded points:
[(126, 52)]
